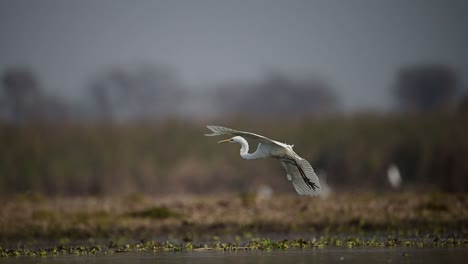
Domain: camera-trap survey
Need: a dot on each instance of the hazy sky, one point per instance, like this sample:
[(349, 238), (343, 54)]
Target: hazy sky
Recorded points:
[(355, 45)]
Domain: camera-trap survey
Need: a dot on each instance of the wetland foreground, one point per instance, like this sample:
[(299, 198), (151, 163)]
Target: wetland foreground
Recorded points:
[(33, 225)]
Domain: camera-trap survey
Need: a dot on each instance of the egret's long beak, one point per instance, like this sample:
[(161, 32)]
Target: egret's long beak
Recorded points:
[(225, 141)]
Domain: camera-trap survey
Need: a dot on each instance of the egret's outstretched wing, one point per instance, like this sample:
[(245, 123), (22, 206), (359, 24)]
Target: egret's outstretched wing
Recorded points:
[(219, 130), (302, 176)]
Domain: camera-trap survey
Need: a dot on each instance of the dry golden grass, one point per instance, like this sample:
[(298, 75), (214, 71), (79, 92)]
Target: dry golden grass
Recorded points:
[(136, 216)]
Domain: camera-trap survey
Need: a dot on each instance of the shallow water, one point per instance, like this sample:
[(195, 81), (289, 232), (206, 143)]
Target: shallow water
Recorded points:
[(371, 255)]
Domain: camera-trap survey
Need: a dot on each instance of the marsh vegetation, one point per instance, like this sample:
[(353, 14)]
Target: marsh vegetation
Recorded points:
[(34, 225), (173, 157), (87, 188)]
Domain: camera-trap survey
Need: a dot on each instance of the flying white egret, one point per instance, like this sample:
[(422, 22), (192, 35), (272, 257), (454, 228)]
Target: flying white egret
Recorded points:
[(298, 170)]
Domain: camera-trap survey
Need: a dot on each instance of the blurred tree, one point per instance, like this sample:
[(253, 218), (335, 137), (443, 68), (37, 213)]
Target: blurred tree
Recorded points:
[(426, 87), (23, 100), (22, 95), (278, 94), (103, 89), (463, 105), (144, 92)]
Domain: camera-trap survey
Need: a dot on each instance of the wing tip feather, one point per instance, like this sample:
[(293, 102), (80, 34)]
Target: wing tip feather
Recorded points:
[(214, 129)]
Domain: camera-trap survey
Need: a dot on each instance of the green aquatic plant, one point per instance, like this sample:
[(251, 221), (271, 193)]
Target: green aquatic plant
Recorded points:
[(264, 244)]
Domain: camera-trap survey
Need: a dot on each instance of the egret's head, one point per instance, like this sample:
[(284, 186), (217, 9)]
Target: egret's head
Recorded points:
[(235, 139)]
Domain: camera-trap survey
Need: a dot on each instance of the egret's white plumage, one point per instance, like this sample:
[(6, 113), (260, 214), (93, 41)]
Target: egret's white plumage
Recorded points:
[(298, 170)]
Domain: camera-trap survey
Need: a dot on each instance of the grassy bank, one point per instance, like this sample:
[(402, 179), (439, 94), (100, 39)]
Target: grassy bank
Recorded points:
[(189, 217), (230, 222)]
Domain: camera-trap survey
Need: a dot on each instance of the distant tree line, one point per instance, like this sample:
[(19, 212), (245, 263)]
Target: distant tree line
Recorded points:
[(277, 95), (146, 92), (150, 92), (155, 93)]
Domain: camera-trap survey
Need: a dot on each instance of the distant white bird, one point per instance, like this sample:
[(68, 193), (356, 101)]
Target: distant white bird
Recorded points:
[(298, 170), (264, 192), (394, 177)]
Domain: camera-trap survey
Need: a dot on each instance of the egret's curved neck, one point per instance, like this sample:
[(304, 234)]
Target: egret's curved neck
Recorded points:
[(244, 151)]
